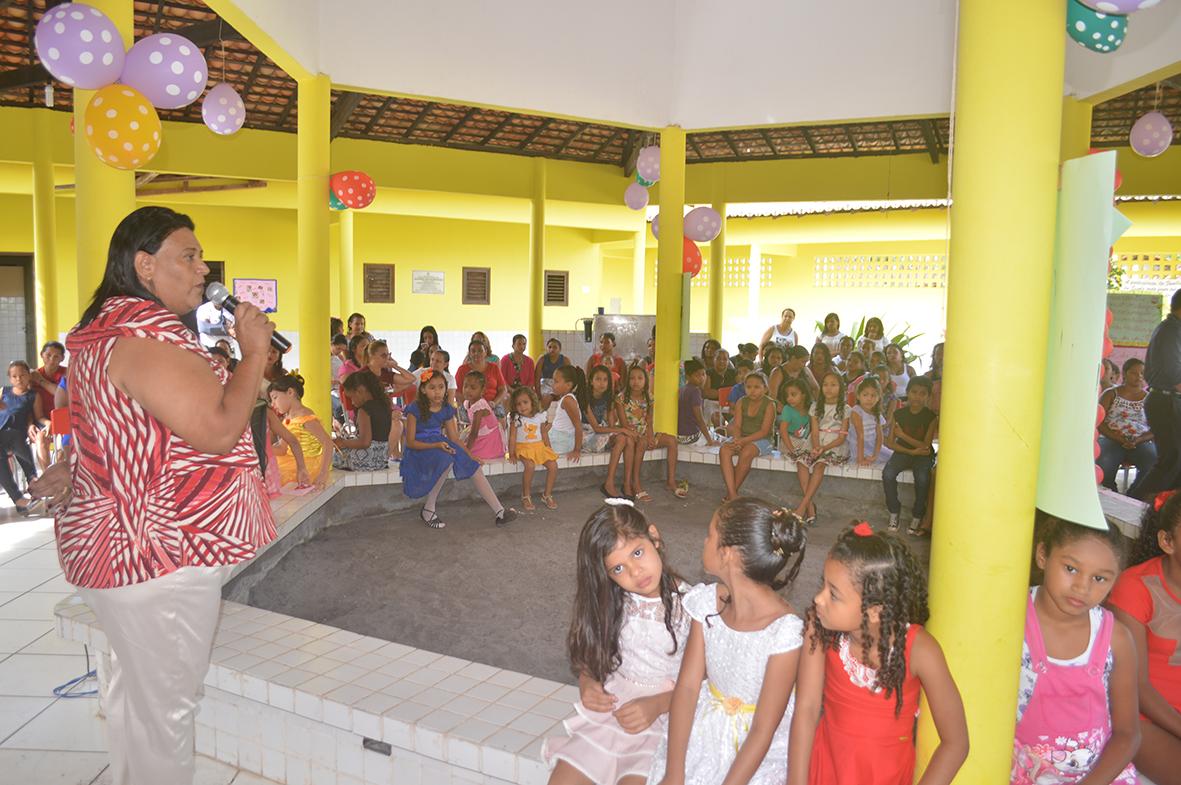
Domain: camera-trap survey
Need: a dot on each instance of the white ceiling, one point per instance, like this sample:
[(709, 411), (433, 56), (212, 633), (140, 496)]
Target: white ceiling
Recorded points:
[(695, 63)]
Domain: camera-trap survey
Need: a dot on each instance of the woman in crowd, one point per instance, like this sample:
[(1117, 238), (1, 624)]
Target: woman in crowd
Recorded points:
[(495, 390), (480, 336), (820, 361), (421, 357), (516, 367), (356, 324), (546, 364), (20, 413), (832, 335), (781, 334), (606, 356), (1124, 435)]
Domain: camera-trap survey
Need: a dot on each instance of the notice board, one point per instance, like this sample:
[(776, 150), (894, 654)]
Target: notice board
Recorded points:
[(1134, 317)]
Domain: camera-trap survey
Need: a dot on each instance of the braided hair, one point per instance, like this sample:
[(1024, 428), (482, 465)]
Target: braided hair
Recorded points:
[(888, 577)]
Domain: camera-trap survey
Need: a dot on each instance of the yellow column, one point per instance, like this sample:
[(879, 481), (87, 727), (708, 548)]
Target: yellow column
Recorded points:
[(639, 269), (1076, 128), (312, 241), (348, 270), (103, 195), (1008, 109), (44, 229), (537, 257), (717, 272), (668, 277)]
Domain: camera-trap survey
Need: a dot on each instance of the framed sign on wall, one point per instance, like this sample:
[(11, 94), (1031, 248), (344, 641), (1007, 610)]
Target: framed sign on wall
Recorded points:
[(379, 283), (262, 292), (427, 282)]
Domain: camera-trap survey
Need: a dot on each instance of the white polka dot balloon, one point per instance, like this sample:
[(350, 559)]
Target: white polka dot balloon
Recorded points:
[(703, 224), (1151, 135), (223, 110), (648, 163), (122, 128), (169, 69), (1119, 6), (1095, 30), (79, 45)]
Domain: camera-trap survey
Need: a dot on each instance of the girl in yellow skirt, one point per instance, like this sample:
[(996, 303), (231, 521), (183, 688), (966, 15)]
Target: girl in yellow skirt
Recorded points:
[(286, 394), (528, 442)]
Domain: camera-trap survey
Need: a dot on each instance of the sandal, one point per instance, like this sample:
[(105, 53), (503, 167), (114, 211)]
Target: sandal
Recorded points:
[(682, 489), (643, 496), (430, 518), (527, 503), (505, 517), (549, 502)]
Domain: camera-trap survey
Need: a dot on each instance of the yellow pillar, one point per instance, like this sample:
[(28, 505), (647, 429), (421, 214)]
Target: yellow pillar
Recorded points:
[(348, 272), (1076, 128), (668, 277), (44, 229), (103, 195), (312, 125), (639, 269), (1008, 105), (537, 257), (717, 272)]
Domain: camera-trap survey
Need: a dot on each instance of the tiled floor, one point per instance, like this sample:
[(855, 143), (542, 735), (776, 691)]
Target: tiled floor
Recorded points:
[(44, 739)]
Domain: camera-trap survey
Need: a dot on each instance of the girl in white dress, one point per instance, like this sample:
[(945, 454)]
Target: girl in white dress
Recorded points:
[(625, 643), (731, 710)]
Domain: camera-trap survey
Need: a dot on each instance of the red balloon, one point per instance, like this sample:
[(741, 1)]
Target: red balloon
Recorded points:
[(1100, 413), (692, 258), (1098, 476), (1107, 318), (355, 189), (1119, 179), (1108, 348)]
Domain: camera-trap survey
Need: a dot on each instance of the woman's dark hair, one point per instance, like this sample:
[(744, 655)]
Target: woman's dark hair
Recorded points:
[(1131, 362), (768, 350), (520, 336), (831, 316), (593, 641), (554, 340), (874, 321), (423, 333), (421, 357), (819, 410), (424, 403), (353, 316), (335, 327), (797, 352), (626, 393), (610, 393), (608, 336), (340, 340), (824, 352), (714, 342), (804, 389), (1158, 517), (275, 370), (771, 540), (220, 352), (576, 377), (889, 577), (144, 229), (288, 381), (53, 345), (369, 381), (355, 343), (871, 383), (476, 376)]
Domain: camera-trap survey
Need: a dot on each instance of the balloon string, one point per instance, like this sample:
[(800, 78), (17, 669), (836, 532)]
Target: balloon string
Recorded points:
[(222, 42)]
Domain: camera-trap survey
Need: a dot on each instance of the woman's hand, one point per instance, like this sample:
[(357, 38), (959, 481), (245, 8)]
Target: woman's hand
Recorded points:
[(574, 456), (638, 715), (54, 486), (594, 697), (445, 447), (254, 329)]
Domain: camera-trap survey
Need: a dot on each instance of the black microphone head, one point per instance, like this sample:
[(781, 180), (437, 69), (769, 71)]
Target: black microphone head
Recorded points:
[(217, 292)]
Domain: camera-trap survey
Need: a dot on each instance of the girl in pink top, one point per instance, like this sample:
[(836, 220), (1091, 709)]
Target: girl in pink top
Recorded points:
[(1076, 704), (484, 438)]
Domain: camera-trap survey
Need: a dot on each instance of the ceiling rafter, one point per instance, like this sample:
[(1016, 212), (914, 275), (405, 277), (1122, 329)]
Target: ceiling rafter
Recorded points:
[(417, 122), (471, 111), (345, 105), (575, 136), (928, 127), (380, 113), (497, 128), (541, 128)]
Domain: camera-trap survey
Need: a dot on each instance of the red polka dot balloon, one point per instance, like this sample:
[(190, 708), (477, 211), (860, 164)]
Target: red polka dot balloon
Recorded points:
[(692, 258), (355, 189)]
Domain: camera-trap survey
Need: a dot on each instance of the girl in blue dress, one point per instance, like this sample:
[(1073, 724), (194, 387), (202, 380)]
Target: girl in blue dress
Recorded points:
[(433, 448)]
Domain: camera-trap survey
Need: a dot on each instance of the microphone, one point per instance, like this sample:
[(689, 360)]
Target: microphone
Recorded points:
[(218, 294)]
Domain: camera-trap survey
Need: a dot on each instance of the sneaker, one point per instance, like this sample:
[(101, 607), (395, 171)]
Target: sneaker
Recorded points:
[(916, 527), (893, 524), (505, 517)]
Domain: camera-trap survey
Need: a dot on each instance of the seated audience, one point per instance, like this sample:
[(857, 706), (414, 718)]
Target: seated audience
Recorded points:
[(912, 430), (20, 411), (1124, 435), (691, 423), (495, 390), (356, 323), (606, 356), (428, 337), (516, 367), (832, 336), (369, 450), (45, 381), (439, 361), (793, 368), (544, 368)]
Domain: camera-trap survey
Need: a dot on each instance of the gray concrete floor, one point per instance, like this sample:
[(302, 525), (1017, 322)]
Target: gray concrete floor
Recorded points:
[(503, 596)]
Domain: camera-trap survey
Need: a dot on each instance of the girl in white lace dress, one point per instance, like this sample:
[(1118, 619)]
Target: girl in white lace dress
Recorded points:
[(626, 640), (732, 706)]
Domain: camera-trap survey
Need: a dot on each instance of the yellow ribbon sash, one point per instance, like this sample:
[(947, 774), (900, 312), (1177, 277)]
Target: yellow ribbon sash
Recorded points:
[(739, 713)]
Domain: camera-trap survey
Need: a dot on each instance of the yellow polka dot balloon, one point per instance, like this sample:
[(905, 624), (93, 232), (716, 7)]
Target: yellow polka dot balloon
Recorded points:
[(122, 127)]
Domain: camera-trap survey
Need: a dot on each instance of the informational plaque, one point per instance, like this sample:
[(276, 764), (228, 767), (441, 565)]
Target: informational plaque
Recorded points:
[(427, 282), (1133, 317), (379, 283)]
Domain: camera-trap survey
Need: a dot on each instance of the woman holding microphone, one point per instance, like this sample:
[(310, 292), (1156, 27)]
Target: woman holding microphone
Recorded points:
[(163, 494)]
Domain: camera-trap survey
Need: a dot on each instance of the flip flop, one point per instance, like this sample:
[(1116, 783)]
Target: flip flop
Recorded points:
[(643, 496), (682, 489), (549, 502), (527, 503)]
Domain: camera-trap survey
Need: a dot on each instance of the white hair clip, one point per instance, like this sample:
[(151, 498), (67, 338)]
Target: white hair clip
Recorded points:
[(616, 501)]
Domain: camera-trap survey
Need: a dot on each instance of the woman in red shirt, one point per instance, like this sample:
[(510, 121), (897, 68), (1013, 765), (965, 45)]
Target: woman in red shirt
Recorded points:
[(45, 382), (495, 390), (606, 356), (164, 494)]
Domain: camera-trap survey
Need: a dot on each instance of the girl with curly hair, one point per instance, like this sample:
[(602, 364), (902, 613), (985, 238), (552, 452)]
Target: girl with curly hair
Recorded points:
[(865, 661)]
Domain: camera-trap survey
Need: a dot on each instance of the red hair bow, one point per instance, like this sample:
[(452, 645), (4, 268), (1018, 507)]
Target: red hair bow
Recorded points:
[(1159, 500), (863, 529)]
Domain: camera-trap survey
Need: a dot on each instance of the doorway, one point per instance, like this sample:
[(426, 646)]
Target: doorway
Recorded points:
[(18, 333)]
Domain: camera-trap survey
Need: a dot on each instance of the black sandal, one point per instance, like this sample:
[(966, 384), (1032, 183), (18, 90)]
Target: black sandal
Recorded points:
[(433, 520), (505, 517)]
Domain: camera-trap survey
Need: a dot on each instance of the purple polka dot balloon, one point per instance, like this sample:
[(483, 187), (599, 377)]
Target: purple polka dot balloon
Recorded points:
[(1151, 135), (656, 226), (223, 110), (1119, 6), (169, 69), (636, 196), (703, 224), (648, 163), (79, 45)]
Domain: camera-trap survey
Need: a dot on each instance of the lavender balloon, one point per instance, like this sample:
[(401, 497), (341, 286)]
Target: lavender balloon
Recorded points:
[(636, 196), (167, 68), (223, 110), (648, 163), (656, 226), (1119, 6), (1151, 135), (79, 45), (703, 224)]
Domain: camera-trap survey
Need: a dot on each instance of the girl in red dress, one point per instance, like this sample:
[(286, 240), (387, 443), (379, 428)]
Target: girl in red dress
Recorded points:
[(865, 659)]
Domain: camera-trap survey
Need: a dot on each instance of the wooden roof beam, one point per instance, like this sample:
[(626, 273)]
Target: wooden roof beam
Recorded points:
[(497, 129), (380, 113), (849, 137), (808, 138), (342, 111), (574, 137), (471, 111), (419, 119), (607, 142), (929, 137), (692, 139), (730, 143), (541, 128), (768, 141), (253, 76)]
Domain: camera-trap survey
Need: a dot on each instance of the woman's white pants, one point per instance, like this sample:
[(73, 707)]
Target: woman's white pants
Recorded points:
[(161, 637)]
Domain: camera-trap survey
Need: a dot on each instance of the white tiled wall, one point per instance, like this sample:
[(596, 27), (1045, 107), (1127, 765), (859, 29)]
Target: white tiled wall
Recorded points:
[(13, 332)]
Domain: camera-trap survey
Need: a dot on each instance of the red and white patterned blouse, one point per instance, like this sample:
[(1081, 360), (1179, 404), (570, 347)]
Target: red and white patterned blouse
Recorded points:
[(147, 503)]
